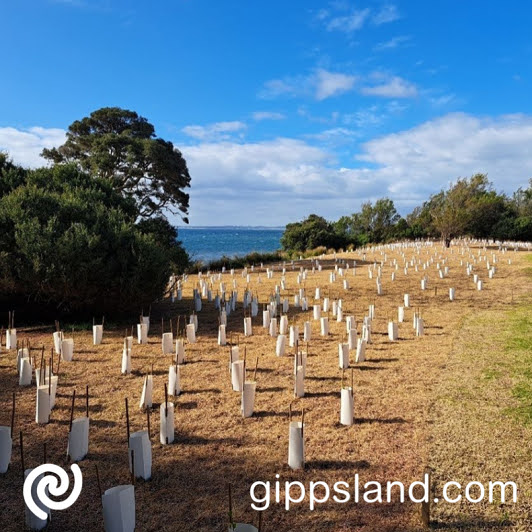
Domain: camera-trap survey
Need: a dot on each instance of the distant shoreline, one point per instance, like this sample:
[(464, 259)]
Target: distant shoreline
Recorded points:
[(212, 243), (228, 227)]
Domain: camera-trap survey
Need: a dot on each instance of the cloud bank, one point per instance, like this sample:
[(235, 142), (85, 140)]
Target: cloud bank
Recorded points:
[(25, 145), (284, 179)]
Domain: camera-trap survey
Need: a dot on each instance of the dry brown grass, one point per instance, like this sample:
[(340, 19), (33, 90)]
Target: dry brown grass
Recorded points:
[(401, 409)]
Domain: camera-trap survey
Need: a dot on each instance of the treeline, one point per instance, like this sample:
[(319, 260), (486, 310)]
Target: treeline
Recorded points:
[(468, 208), (88, 234)]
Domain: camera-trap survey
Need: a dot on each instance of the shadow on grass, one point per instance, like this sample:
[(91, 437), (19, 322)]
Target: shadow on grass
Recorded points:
[(268, 413), (360, 420), (337, 464), (472, 525)]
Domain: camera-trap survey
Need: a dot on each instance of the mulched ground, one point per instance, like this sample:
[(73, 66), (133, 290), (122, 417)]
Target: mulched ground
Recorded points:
[(395, 388)]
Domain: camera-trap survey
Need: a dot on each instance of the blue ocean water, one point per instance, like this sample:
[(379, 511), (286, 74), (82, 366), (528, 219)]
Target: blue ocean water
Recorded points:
[(210, 243)]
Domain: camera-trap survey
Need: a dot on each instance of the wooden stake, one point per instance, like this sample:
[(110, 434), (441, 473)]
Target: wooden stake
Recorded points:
[(87, 400), (72, 411), (41, 374), (132, 467), (165, 400), (127, 422), (22, 455), (166, 408), (13, 416), (254, 373), (50, 387)]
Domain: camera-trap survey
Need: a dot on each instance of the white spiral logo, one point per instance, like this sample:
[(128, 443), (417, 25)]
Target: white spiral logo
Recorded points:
[(54, 487)]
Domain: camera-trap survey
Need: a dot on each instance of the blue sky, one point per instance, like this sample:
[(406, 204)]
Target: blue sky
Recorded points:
[(284, 108)]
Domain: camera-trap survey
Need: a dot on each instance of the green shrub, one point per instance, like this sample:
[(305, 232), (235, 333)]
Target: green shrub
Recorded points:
[(70, 242), (252, 259)]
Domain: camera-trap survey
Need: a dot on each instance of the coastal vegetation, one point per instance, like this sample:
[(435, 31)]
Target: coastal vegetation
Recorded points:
[(89, 232), (468, 208)]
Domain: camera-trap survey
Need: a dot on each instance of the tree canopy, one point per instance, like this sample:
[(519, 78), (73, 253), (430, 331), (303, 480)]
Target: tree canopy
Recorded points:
[(469, 207), (311, 233), (120, 146), (70, 242)]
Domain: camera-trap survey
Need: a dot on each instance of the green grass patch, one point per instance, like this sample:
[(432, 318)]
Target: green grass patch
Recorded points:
[(518, 351), (491, 374), (518, 345)]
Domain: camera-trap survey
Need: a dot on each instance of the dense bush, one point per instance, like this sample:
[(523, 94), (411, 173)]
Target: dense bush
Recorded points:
[(311, 233), (252, 259), (70, 242)]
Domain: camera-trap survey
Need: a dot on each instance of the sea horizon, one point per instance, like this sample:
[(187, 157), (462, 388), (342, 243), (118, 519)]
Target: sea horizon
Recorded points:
[(207, 243), (265, 227)]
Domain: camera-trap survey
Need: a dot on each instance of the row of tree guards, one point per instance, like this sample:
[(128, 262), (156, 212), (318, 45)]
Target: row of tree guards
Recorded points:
[(118, 502)]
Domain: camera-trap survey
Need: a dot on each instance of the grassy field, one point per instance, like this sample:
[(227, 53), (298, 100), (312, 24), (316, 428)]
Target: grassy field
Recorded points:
[(457, 400), (483, 414)]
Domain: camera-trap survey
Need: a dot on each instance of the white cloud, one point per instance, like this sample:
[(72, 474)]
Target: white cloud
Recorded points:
[(395, 108), (364, 118), (329, 84), (320, 84), (426, 158), (387, 13), (392, 43), (267, 115), (336, 18), (439, 101), (349, 23), (395, 87), (25, 145), (269, 182), (322, 14), (282, 180), (281, 162), (216, 131), (282, 87), (277, 181), (74, 3), (335, 136), (332, 118)]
